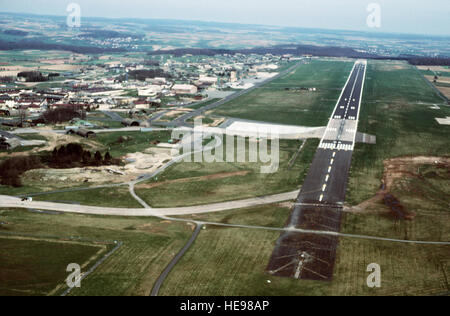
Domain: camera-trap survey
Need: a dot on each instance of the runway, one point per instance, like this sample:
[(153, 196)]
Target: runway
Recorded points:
[(319, 204)]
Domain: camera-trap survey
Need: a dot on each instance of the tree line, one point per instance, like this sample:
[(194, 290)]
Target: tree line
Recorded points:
[(64, 157), (73, 156)]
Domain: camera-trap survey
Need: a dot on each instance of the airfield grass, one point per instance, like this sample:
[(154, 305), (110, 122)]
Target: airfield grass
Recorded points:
[(396, 108), (232, 262), (32, 137), (106, 124), (148, 246), (36, 267), (117, 197), (26, 189), (249, 183), (203, 104), (138, 141), (271, 215), (273, 103)]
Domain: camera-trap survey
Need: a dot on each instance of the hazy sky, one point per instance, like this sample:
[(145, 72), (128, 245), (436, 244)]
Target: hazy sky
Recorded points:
[(404, 16)]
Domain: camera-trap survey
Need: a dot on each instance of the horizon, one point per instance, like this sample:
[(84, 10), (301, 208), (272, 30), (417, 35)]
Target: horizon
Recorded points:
[(233, 23), (400, 18)]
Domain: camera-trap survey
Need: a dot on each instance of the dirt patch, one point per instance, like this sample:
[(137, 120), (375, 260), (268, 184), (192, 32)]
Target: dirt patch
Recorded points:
[(216, 121), (61, 67), (148, 161), (434, 68), (63, 178), (53, 140), (395, 169), (196, 179)]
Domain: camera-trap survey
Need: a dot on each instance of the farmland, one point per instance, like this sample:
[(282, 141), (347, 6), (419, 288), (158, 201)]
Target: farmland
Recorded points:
[(148, 246), (38, 266)]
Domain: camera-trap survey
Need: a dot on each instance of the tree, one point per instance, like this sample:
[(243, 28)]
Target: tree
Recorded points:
[(107, 159), (86, 157), (98, 158)]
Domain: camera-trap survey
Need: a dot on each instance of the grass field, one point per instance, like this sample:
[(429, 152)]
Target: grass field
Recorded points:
[(272, 215), (36, 267), (272, 103), (395, 108), (148, 246), (107, 197), (228, 262), (202, 104), (434, 73), (138, 141), (205, 183)]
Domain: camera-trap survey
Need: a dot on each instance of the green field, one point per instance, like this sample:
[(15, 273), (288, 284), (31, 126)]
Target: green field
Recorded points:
[(245, 180), (107, 197), (229, 262), (148, 246), (272, 103), (396, 108), (435, 73), (36, 267), (271, 215), (202, 104), (138, 141)]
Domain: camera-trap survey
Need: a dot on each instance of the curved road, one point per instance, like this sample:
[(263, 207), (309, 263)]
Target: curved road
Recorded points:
[(159, 282)]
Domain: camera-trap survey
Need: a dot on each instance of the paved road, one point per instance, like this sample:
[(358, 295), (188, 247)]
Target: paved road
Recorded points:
[(159, 282), (14, 202), (103, 130), (319, 204)]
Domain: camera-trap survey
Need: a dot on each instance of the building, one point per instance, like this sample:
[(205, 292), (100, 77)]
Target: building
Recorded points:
[(150, 91), (204, 80), (184, 89), (131, 122), (82, 132)]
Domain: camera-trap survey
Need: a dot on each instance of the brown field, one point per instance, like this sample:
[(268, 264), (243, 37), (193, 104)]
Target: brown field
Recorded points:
[(434, 68), (61, 67)]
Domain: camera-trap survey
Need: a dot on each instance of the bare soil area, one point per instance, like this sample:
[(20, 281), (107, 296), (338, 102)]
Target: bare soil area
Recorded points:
[(394, 169)]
